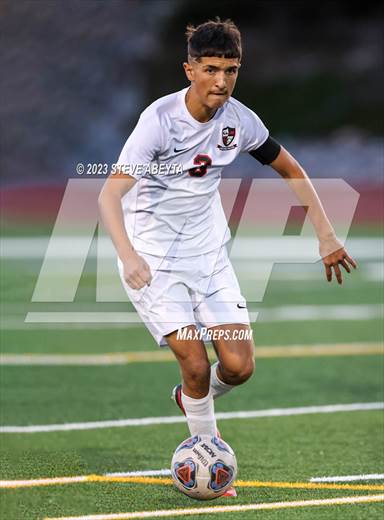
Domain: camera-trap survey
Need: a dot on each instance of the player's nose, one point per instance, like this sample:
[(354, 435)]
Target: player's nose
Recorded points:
[(220, 82)]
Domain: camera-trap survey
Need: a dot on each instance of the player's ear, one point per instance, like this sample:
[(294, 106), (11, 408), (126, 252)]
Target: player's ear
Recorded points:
[(188, 70)]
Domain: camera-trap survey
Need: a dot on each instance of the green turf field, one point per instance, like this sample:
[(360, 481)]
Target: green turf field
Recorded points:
[(271, 451)]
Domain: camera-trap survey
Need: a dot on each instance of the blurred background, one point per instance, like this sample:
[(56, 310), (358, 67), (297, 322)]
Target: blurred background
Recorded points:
[(77, 74)]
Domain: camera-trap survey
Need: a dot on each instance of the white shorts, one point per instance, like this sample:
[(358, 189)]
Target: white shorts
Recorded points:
[(198, 290)]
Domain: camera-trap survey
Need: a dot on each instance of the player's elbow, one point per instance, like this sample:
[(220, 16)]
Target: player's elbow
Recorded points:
[(101, 199), (115, 188), (287, 166)]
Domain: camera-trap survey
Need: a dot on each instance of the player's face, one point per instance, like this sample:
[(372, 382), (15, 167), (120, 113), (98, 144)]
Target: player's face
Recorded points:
[(212, 79)]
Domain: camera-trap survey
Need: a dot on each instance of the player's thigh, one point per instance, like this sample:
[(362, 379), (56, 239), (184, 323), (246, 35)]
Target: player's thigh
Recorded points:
[(221, 302), (235, 348), (165, 305)]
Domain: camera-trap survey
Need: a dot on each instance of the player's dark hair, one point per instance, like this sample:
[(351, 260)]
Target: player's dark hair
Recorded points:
[(214, 38)]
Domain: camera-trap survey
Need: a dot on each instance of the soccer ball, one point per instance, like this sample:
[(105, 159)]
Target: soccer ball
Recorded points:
[(203, 467)]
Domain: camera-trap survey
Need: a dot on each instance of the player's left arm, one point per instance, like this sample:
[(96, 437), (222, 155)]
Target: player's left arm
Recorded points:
[(331, 249)]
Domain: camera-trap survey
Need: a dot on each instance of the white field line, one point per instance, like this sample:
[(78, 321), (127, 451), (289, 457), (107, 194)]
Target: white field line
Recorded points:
[(80, 478), (42, 482), (349, 478), (147, 421), (157, 356), (145, 473), (247, 270), (229, 509), (266, 315), (130, 318), (101, 319), (253, 248)]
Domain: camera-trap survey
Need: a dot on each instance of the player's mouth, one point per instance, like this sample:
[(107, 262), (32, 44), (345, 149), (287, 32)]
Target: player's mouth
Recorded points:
[(218, 97)]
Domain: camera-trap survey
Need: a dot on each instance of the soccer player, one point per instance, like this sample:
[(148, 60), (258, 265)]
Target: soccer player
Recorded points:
[(164, 215)]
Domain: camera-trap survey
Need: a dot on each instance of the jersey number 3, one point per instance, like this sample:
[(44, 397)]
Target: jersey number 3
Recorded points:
[(203, 162)]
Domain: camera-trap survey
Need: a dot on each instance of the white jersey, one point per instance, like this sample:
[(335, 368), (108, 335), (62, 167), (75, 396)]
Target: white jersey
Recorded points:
[(175, 209)]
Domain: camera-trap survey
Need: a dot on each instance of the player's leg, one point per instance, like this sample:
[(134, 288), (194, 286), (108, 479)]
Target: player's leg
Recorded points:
[(224, 309), (236, 362), (195, 370), (167, 297), (193, 361)]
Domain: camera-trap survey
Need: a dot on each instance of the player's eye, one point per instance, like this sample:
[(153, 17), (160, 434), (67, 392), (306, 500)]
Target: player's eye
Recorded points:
[(210, 70)]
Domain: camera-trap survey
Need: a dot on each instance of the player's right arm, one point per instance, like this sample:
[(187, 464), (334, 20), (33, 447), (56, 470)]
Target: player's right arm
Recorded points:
[(142, 147), (137, 273)]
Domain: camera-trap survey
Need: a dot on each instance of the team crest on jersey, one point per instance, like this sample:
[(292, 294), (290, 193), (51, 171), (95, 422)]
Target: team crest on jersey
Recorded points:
[(227, 134)]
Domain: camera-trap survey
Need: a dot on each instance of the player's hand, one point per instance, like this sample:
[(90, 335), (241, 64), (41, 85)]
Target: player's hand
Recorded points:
[(137, 272), (334, 255)]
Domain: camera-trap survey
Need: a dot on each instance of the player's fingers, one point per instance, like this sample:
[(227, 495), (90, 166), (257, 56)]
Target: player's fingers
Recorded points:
[(338, 273), (345, 265), (147, 274), (351, 261), (142, 278), (135, 281), (328, 273), (132, 284)]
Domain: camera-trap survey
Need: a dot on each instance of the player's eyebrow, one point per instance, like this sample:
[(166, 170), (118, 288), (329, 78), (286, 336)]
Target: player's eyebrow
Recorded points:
[(214, 67)]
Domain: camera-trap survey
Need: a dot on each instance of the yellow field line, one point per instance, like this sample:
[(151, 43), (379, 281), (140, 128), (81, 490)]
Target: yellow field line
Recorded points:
[(228, 509), (338, 349), (157, 356), (309, 485), (168, 481)]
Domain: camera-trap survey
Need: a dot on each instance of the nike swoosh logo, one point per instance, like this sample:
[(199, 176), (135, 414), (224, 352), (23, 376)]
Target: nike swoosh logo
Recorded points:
[(181, 150), (241, 306)]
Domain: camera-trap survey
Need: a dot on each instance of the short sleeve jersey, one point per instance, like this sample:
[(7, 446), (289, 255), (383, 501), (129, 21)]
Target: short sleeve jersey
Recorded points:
[(175, 208)]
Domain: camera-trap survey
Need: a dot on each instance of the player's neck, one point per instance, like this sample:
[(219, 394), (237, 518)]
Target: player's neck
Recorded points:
[(200, 112)]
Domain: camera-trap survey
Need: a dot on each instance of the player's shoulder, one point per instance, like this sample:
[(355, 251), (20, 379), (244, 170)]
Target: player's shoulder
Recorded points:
[(246, 118), (239, 108), (162, 109)]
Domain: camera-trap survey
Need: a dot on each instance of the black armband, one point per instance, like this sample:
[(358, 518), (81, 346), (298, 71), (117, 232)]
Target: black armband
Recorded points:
[(267, 152)]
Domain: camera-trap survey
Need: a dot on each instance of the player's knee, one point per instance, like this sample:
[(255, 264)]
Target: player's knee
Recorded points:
[(246, 371), (239, 372), (249, 369)]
